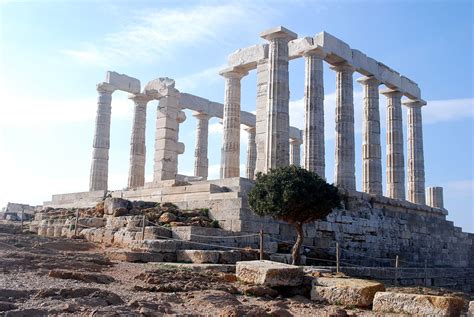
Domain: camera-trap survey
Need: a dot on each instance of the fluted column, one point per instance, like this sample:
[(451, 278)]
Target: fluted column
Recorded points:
[(136, 175), (230, 153), (295, 149), (416, 161), (313, 131), (201, 161), (345, 148), (371, 151), (100, 154), (395, 157), (278, 121), (434, 197), (251, 153)]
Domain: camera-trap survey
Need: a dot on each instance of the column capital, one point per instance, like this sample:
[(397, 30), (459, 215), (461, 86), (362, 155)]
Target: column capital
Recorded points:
[(369, 80), (105, 88), (317, 51), (201, 115), (140, 98), (250, 129), (296, 141), (233, 72), (391, 93), (343, 67), (278, 32), (414, 103)]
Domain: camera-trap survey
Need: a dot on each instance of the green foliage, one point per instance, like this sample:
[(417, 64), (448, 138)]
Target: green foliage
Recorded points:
[(215, 224), (294, 195), (204, 212)]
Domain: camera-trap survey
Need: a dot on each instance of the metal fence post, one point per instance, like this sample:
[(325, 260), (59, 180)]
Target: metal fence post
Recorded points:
[(337, 257), (396, 270), (261, 244), (143, 228)]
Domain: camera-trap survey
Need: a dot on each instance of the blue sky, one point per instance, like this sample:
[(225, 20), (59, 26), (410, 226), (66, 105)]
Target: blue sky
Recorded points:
[(53, 53)]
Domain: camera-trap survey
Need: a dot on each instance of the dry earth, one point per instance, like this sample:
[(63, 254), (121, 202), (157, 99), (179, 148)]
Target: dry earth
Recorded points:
[(44, 276)]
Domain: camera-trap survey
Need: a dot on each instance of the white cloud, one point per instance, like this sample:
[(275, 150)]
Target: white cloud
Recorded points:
[(448, 110), (194, 83), (460, 188), (24, 110), (160, 33)]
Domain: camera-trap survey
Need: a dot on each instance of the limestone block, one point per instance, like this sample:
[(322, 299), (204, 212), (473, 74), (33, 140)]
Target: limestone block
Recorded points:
[(152, 233), (426, 305), (229, 257), (159, 87), (389, 77), (123, 82), (410, 88), (198, 256), (248, 57), (345, 291), (359, 61), (298, 47), (269, 273), (112, 204), (471, 307), (142, 257), (154, 245), (338, 50)]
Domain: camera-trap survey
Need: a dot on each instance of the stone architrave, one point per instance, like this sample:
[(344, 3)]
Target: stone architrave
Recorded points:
[(313, 131), (371, 151), (395, 157), (251, 153), (167, 147), (261, 114), (416, 161), (100, 154), (278, 121), (345, 149), (136, 175), (295, 149), (230, 152), (201, 161)]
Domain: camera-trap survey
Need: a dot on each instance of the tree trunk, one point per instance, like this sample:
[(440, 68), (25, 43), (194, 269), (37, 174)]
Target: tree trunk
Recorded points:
[(295, 253)]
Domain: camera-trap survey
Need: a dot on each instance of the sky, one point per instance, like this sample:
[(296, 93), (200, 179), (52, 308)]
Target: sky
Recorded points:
[(53, 53)]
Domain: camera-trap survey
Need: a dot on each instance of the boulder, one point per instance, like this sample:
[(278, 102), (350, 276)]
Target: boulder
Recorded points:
[(113, 204), (399, 303), (167, 217), (345, 291), (471, 307), (269, 273)]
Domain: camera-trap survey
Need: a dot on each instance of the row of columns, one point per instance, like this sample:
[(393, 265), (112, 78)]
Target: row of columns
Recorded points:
[(277, 152)]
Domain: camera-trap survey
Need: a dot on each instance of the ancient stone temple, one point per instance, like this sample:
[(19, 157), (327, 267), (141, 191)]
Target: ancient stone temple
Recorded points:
[(403, 220)]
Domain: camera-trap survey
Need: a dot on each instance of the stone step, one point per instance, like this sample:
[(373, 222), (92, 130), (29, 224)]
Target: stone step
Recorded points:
[(213, 256), (145, 257)]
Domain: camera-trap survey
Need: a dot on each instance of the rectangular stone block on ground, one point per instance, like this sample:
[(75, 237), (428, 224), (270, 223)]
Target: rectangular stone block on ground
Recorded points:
[(345, 291), (425, 305), (269, 273)]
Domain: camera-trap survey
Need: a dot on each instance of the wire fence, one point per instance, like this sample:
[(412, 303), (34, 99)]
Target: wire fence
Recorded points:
[(333, 255)]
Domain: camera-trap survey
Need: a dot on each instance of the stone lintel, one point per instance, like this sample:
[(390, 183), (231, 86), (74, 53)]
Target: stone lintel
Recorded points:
[(201, 115), (123, 82), (248, 57), (278, 32), (141, 97)]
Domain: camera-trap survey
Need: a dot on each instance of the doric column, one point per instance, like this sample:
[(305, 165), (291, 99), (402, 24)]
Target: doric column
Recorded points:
[(416, 161), (136, 175), (434, 197), (230, 153), (261, 114), (278, 121), (371, 151), (167, 147), (251, 152), (201, 162), (395, 157), (100, 154), (313, 131), (295, 152), (345, 149)]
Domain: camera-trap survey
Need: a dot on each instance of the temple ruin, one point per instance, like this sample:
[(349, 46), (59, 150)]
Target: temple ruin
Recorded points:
[(412, 224)]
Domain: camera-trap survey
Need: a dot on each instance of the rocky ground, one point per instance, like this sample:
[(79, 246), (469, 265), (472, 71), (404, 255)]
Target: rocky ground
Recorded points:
[(45, 276)]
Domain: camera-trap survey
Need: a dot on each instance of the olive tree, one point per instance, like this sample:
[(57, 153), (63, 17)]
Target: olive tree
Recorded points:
[(294, 195)]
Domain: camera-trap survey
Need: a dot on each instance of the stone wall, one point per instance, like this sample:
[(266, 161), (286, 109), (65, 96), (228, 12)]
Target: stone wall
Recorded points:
[(368, 228)]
